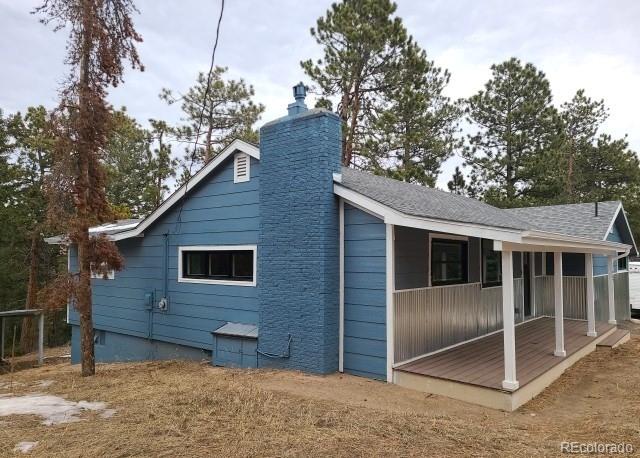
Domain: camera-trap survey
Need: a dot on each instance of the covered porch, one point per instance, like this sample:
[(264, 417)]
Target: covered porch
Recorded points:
[(474, 371), (508, 318)]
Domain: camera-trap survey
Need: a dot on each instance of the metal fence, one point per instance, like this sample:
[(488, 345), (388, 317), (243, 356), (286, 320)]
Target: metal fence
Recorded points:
[(428, 319)]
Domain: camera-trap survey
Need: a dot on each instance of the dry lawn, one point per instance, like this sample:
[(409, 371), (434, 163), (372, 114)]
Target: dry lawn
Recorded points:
[(192, 409)]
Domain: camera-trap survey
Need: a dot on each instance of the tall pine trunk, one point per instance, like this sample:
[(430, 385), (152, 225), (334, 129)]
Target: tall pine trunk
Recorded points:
[(28, 332), (83, 293)]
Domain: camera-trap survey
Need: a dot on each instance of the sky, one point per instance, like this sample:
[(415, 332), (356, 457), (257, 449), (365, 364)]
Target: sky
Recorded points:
[(590, 44)]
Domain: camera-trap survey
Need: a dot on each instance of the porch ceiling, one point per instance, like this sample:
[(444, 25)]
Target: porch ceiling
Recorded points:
[(481, 362)]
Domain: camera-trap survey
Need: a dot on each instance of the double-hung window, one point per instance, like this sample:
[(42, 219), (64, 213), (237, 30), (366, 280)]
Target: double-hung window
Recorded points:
[(226, 265), (448, 261)]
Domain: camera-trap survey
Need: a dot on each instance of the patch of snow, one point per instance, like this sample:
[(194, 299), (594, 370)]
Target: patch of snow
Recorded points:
[(24, 447), (44, 383), (53, 409), (108, 413)]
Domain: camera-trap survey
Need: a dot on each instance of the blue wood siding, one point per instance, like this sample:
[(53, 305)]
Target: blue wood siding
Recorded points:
[(600, 262), (217, 212), (365, 345)]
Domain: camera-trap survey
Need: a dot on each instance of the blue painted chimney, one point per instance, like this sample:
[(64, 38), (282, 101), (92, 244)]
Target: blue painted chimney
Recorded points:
[(298, 242)]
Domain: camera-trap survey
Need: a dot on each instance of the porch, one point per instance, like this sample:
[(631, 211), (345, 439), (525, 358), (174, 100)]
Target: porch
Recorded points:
[(473, 371), (494, 323)]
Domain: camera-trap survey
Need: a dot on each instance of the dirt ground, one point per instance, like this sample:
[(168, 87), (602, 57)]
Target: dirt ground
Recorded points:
[(193, 409)]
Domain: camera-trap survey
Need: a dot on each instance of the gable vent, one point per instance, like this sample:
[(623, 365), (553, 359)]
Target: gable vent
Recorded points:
[(241, 168)]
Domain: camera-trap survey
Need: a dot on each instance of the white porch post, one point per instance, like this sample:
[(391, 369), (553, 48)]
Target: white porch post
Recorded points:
[(508, 319), (559, 306), (591, 310), (610, 290), (390, 306)]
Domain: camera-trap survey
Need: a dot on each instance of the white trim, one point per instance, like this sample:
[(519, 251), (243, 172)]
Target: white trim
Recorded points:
[(532, 283), (236, 145), (528, 240), (591, 312), (341, 326), (391, 216), (611, 290), (111, 274), (558, 304), (209, 281), (510, 381), (613, 221), (247, 164), (389, 253)]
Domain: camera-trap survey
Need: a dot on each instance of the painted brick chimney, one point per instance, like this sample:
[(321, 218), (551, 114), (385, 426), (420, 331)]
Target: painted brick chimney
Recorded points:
[(298, 266)]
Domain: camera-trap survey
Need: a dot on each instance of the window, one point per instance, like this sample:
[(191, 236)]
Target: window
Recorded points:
[(573, 264), (623, 263), (100, 273), (491, 265), (448, 262), (226, 265)]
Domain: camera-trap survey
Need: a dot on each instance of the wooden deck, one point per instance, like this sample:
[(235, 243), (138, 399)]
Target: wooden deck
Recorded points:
[(481, 362)]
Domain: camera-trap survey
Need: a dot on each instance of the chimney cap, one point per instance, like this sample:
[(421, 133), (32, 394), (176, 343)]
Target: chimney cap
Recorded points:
[(299, 93)]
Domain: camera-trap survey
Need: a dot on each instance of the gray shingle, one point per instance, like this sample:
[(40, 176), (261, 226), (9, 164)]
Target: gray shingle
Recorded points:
[(425, 202), (570, 219)]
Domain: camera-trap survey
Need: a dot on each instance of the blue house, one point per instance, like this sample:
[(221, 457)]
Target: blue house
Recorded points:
[(276, 256)]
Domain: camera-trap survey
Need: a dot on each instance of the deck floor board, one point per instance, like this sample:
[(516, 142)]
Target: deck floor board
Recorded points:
[(481, 362)]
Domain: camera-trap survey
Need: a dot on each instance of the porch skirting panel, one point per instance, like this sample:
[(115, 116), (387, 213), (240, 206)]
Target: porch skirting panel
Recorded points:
[(427, 319)]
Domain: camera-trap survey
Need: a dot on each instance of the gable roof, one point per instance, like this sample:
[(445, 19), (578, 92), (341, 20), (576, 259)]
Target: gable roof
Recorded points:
[(577, 219), (406, 204), (424, 202), (134, 228)]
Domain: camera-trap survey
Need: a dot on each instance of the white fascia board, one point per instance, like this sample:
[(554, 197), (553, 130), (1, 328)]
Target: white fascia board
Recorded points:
[(549, 245), (613, 221), (396, 218), (236, 145)]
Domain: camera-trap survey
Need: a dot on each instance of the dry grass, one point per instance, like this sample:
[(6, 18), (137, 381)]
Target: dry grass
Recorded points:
[(192, 409)]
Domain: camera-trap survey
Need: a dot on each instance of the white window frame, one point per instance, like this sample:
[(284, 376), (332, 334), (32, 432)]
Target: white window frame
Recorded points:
[(247, 177), (210, 281), (111, 274)]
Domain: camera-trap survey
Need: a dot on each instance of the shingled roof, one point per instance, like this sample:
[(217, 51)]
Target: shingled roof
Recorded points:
[(570, 219), (424, 202)]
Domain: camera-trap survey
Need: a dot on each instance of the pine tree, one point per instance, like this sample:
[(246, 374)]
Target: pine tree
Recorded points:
[(32, 160), (581, 119), (102, 38), (457, 184), (362, 44), (162, 164), (126, 161), (515, 122), (228, 112), (414, 133)]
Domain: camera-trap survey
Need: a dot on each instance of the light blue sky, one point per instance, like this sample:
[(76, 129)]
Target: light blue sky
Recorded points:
[(590, 44)]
